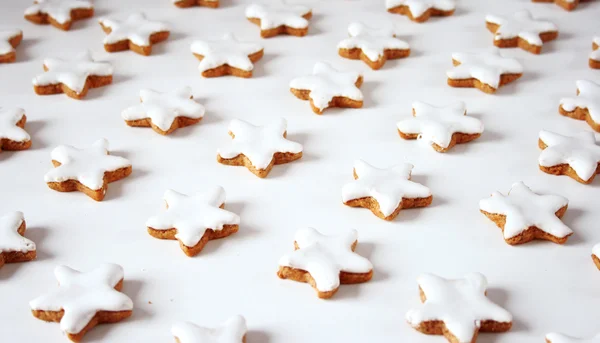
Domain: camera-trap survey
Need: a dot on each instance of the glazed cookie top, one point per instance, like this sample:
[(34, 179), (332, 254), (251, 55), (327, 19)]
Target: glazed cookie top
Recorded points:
[(461, 304), (327, 83), (259, 143), (324, 257), (272, 17), (72, 73), (136, 28), (419, 7), (193, 215), (387, 186), (10, 239), (82, 294), (438, 124), (524, 208), (5, 36), (373, 42), (164, 108), (560, 338), (59, 10), (521, 25), (226, 51), (588, 97), (85, 165), (579, 151), (9, 117), (486, 67), (231, 331)]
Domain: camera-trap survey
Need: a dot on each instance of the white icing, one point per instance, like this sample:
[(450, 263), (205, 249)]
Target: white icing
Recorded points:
[(560, 338), (5, 37), (85, 165), (9, 117), (59, 10), (588, 98), (461, 304), (486, 67), (136, 28), (226, 51), (387, 186), (419, 7), (259, 143), (231, 331), (372, 42), (164, 108), (10, 239), (524, 208), (521, 25), (324, 257), (174, 1), (579, 151), (193, 215), (596, 250), (81, 295), (438, 124), (72, 73), (327, 83), (275, 16)]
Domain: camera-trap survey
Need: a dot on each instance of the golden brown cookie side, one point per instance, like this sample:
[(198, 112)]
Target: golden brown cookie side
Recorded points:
[(580, 114), (18, 256), (565, 169), (126, 44), (282, 29), (457, 138), (10, 145), (357, 54), (178, 123), (432, 12), (596, 261), (93, 81), (191, 3), (338, 101), (11, 57), (209, 234), (41, 18), (229, 70), (373, 205)]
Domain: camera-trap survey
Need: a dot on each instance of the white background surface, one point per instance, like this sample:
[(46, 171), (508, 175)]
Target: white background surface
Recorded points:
[(547, 287)]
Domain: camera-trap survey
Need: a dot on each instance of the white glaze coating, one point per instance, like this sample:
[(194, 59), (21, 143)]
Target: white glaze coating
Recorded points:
[(327, 83), (226, 51), (175, 1), (193, 215), (579, 151), (85, 165), (274, 16), (259, 143), (10, 239), (59, 10), (5, 36), (524, 208), (164, 108), (487, 67), (231, 331), (387, 186), (72, 73), (82, 294), (461, 304), (419, 7), (136, 28), (373, 42), (324, 257), (560, 338), (596, 251), (438, 124), (9, 117), (521, 25), (588, 97)]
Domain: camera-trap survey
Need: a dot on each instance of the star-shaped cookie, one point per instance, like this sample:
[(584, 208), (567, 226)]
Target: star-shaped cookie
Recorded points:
[(373, 46), (568, 5), (136, 33), (325, 261), (522, 31), (14, 247), (59, 13), (9, 40), (194, 220), (560, 338), (421, 10), (586, 106), (442, 127), (329, 87), (86, 170), (191, 3), (12, 129), (595, 55), (281, 19), (485, 70), (226, 56), (457, 309), (385, 191), (84, 300), (575, 156), (164, 112), (524, 215), (231, 331), (74, 77), (259, 148)]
